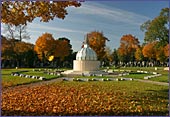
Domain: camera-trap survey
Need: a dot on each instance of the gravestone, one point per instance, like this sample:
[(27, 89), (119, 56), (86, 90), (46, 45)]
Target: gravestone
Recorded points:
[(166, 68)]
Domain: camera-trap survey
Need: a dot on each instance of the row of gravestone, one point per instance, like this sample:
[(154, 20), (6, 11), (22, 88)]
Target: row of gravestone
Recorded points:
[(52, 73), (27, 76), (128, 71), (146, 72), (152, 76), (115, 70), (48, 70), (97, 79), (88, 74), (155, 74)]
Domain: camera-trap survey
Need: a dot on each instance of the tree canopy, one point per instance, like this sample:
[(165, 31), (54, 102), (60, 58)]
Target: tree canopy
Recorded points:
[(157, 29), (21, 12), (46, 46), (128, 46), (97, 41), (149, 50)]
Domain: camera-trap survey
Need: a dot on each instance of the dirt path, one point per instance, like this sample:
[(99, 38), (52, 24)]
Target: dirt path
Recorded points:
[(32, 84), (60, 79), (153, 82)]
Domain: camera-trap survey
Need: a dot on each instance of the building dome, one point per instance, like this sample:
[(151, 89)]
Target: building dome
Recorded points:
[(86, 53)]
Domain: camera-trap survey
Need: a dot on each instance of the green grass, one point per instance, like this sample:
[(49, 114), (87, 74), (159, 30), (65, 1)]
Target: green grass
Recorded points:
[(128, 98), (8, 80), (142, 68), (163, 78), (136, 76), (41, 74)]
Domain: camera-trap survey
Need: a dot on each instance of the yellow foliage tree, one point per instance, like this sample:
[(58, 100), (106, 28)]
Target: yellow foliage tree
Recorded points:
[(45, 46), (138, 54)]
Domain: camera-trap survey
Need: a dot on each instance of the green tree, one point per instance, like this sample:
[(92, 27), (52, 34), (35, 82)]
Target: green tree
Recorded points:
[(115, 57), (157, 29)]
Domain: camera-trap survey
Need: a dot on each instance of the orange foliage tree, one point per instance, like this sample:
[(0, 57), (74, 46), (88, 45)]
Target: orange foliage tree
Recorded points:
[(166, 50), (97, 41), (63, 48), (128, 46), (149, 50), (45, 46), (21, 12)]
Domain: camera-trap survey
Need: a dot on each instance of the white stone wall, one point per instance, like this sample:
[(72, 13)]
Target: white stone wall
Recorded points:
[(81, 65)]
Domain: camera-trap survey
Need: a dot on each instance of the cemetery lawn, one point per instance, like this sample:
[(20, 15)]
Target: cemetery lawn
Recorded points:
[(128, 98), (163, 78), (8, 80)]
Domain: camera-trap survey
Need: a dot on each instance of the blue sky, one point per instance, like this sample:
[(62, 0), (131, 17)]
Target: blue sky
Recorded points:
[(113, 18)]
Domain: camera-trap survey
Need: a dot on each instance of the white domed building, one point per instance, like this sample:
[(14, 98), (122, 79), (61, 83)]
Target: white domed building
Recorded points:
[(86, 60)]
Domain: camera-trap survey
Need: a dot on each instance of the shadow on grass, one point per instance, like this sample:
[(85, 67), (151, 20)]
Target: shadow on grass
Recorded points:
[(163, 94), (106, 113), (29, 83)]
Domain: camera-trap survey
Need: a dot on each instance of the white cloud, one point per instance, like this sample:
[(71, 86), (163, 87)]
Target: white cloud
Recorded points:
[(112, 13), (37, 27)]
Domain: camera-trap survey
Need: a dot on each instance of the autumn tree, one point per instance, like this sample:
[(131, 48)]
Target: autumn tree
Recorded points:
[(166, 50), (128, 46), (19, 53), (21, 12), (63, 48), (45, 46), (7, 51), (138, 54), (97, 41), (149, 50), (160, 55), (66, 39), (157, 29), (24, 53)]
